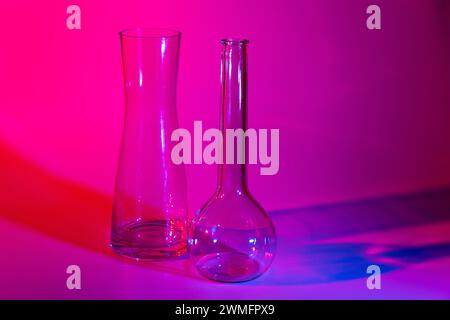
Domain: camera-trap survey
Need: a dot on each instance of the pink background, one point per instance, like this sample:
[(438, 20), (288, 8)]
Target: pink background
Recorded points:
[(361, 113)]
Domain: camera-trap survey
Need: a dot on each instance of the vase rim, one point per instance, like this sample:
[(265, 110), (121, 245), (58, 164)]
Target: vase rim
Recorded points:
[(141, 32), (234, 41)]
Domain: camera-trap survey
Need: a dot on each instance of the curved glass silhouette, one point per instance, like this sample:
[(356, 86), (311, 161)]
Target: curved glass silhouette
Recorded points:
[(232, 239), (149, 211)]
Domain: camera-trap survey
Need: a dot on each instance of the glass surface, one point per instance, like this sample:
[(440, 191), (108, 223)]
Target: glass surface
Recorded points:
[(149, 211), (232, 239)]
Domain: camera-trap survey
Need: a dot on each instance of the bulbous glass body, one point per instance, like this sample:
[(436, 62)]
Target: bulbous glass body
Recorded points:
[(232, 239)]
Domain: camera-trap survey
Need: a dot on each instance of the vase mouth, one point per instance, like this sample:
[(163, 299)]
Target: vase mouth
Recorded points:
[(149, 33), (234, 41)]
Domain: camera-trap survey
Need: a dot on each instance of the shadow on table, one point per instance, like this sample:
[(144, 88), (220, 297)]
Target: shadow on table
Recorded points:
[(308, 252), (362, 216), (325, 263), (32, 197)]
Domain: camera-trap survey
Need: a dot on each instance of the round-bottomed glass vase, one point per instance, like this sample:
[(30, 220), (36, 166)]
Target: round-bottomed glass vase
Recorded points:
[(232, 239)]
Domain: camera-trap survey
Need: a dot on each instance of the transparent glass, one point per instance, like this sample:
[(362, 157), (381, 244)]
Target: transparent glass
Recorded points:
[(232, 239), (150, 214)]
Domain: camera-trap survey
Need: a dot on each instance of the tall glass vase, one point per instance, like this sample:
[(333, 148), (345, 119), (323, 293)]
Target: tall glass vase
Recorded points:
[(232, 238), (149, 211)]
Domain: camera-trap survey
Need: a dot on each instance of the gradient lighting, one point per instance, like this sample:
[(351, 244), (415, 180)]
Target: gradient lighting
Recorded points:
[(363, 118)]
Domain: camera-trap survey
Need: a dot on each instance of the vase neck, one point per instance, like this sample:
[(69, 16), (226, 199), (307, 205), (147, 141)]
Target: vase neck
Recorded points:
[(233, 113)]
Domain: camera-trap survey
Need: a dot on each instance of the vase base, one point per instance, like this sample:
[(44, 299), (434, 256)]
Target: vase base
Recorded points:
[(149, 241), (229, 267)]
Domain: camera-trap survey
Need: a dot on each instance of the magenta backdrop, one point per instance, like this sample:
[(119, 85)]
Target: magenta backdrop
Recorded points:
[(361, 113)]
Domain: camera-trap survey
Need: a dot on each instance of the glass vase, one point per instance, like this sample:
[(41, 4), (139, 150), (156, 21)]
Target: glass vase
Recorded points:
[(232, 239), (150, 215)]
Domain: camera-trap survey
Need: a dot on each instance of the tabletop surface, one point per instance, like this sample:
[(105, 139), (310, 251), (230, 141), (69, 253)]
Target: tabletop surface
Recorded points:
[(323, 252)]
